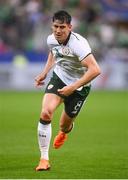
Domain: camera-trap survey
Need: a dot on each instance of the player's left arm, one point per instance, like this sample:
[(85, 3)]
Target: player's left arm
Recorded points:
[(93, 70)]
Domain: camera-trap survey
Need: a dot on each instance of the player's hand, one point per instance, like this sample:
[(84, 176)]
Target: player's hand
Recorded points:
[(39, 80), (66, 90)]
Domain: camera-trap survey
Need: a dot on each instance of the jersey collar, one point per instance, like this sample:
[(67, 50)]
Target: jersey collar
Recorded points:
[(66, 41)]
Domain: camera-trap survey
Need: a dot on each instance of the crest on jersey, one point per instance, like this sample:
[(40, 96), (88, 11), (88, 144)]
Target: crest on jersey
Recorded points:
[(65, 50)]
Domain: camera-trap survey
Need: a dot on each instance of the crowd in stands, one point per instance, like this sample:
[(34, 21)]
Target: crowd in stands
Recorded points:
[(25, 24)]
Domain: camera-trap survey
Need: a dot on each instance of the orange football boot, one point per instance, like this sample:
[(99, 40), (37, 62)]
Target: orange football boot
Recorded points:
[(43, 165), (59, 140)]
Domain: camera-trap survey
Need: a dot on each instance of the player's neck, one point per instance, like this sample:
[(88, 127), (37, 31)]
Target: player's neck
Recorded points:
[(66, 40)]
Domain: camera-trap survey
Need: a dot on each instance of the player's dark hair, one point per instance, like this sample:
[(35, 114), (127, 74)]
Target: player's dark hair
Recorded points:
[(62, 16)]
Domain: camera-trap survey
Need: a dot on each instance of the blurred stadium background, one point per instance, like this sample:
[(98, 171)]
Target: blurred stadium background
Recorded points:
[(97, 147), (24, 26)]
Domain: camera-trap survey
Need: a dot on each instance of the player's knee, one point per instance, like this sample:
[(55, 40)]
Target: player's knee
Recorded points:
[(46, 114), (45, 122)]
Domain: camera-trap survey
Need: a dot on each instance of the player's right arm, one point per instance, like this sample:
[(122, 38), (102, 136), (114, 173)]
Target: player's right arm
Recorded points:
[(39, 80)]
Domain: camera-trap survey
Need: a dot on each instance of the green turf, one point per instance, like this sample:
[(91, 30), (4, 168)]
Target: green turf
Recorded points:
[(97, 147)]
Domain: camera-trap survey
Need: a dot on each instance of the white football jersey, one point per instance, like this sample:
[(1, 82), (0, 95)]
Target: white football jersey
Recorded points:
[(68, 57)]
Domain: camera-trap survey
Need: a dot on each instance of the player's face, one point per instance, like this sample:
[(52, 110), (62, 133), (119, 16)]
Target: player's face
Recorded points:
[(61, 30)]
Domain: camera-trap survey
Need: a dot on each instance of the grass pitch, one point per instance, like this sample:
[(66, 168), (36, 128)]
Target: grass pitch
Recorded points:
[(96, 148)]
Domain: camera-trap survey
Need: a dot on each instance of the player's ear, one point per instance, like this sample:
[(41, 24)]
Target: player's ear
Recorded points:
[(70, 26)]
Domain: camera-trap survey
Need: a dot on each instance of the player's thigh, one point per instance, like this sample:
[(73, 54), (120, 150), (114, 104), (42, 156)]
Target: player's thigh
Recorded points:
[(51, 101), (73, 105), (54, 84), (75, 101)]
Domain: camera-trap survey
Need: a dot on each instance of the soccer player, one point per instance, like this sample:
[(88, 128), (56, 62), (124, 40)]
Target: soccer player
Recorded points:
[(74, 69)]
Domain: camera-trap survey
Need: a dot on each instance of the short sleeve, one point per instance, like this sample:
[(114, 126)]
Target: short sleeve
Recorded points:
[(81, 49), (49, 42)]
